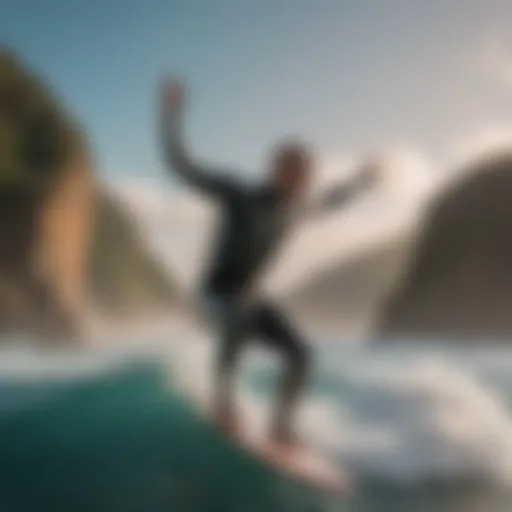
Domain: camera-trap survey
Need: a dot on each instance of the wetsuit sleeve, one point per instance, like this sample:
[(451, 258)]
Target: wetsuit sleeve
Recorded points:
[(218, 184)]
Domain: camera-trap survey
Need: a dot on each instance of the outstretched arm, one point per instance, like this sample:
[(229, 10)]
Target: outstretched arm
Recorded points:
[(338, 196), (176, 155)]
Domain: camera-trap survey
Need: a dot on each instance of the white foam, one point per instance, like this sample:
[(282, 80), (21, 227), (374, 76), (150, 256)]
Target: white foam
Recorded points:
[(402, 417), (440, 423), (426, 419)]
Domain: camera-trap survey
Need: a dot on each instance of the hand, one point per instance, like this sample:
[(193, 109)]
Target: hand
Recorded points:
[(172, 95)]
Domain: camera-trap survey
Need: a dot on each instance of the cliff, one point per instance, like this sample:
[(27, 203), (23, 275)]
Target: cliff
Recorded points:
[(65, 246), (459, 284)]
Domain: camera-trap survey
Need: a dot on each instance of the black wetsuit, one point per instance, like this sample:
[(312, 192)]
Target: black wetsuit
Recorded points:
[(251, 229), (253, 223)]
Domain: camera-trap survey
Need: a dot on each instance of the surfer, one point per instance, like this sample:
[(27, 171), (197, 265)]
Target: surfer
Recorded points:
[(254, 222)]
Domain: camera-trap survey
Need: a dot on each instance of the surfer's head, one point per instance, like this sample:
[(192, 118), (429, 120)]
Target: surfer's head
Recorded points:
[(290, 168)]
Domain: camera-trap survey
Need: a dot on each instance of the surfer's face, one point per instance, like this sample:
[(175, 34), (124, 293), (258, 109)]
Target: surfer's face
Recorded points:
[(291, 171)]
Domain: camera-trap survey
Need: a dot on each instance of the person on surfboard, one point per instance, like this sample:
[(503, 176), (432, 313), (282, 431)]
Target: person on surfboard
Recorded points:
[(254, 222)]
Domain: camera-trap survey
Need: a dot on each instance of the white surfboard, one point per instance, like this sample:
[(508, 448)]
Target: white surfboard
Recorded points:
[(301, 465)]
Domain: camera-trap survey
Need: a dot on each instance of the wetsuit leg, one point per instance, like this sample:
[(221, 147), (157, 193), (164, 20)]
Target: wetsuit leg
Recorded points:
[(238, 321), (275, 328), (234, 321)]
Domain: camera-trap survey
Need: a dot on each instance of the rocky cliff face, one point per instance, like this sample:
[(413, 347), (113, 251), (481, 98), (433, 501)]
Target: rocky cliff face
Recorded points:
[(64, 234), (37, 139), (459, 284), (65, 246)]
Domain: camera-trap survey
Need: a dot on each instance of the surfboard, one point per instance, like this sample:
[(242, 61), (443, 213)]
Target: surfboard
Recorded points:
[(302, 465)]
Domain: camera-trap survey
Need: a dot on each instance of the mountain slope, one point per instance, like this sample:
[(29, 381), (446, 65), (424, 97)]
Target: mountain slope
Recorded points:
[(459, 284)]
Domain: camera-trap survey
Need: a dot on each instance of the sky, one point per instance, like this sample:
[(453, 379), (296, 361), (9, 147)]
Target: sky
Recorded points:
[(349, 76)]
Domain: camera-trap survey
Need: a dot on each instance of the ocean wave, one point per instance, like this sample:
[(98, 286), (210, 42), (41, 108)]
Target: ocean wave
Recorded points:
[(404, 419), (388, 414)]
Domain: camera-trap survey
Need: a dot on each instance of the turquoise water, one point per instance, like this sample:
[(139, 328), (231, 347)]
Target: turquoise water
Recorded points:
[(123, 439), (125, 442)]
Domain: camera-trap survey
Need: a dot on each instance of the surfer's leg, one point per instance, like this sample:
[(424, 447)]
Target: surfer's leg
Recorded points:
[(233, 330), (280, 334), (233, 322)]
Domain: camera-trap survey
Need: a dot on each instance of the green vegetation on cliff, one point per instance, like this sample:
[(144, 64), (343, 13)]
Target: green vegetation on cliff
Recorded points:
[(36, 133), (41, 148)]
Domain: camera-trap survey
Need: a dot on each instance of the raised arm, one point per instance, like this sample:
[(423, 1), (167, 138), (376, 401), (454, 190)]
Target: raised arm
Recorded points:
[(339, 195), (177, 157)]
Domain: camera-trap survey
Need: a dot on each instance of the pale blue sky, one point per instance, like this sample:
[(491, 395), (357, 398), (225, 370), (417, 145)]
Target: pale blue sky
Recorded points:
[(346, 74)]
